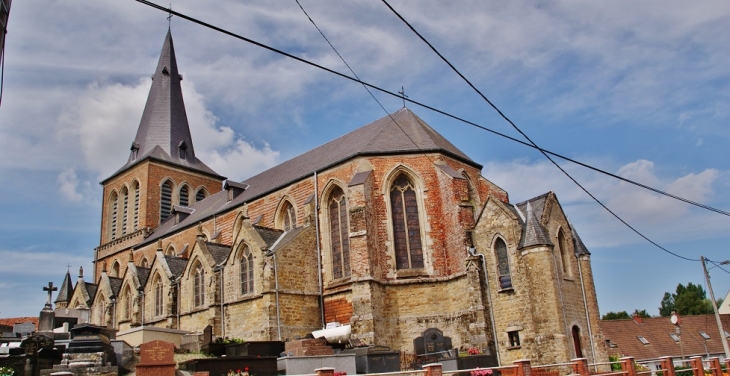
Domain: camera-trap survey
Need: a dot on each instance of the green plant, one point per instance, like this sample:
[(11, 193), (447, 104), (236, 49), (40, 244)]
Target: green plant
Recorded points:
[(6, 371), (615, 365)]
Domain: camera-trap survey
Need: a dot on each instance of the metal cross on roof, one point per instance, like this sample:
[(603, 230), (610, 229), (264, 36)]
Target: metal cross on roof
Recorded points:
[(169, 16), (50, 290), (403, 95)]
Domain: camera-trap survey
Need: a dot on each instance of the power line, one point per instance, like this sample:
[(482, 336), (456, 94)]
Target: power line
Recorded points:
[(528, 138), (544, 151)]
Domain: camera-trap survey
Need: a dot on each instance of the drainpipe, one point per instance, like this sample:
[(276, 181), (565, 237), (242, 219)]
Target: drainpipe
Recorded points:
[(177, 299), (473, 252), (588, 318), (319, 253), (560, 294), (270, 253)]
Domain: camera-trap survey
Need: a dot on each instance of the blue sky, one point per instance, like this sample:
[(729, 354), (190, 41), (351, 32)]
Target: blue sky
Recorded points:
[(638, 89)]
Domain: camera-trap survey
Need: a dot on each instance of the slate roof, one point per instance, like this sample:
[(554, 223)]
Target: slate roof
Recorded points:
[(407, 135), (269, 235), (578, 246), (286, 238), (624, 335), (219, 252), (65, 292), (164, 124), (91, 289), (143, 274), (176, 264), (116, 285), (533, 233)]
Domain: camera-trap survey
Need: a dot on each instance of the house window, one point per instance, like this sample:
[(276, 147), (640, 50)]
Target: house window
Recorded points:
[(200, 195), (564, 253), (184, 195), (246, 270), (339, 234), (514, 339), (165, 201), (135, 188), (505, 279), (704, 335), (674, 337), (158, 296), (114, 208), (287, 216), (199, 286), (643, 340), (125, 207), (406, 224)]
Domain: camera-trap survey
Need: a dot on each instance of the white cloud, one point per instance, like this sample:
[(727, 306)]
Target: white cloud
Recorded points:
[(69, 184)]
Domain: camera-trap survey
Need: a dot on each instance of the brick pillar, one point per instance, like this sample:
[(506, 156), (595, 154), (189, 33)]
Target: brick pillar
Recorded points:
[(325, 371), (715, 366), (628, 365), (523, 367), (433, 369), (696, 364), (580, 367), (667, 364)]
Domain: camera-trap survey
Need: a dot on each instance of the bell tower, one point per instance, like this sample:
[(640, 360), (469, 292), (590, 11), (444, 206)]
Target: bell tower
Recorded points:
[(161, 171)]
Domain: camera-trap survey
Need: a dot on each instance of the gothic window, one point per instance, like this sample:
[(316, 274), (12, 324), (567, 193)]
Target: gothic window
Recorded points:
[(500, 250), (115, 269), (184, 195), (114, 207), (198, 285), (246, 270), (406, 224), (159, 295), (165, 200), (564, 252), (125, 206), (135, 190), (339, 233), (128, 303), (576, 342), (144, 263), (200, 194), (287, 216)]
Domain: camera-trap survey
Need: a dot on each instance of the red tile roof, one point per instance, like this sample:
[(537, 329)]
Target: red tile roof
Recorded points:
[(624, 335), (10, 321)]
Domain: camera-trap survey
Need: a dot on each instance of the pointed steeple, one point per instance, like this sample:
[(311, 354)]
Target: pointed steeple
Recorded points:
[(163, 133), (64, 293), (533, 233)]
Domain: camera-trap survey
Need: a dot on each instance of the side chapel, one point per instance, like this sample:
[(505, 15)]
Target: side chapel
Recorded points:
[(389, 228)]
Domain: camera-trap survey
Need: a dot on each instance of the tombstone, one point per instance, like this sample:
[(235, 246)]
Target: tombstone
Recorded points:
[(47, 316), (89, 352), (156, 359), (432, 342), (24, 329)]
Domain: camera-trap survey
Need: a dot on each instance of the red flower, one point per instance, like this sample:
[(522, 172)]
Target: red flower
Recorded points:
[(246, 369)]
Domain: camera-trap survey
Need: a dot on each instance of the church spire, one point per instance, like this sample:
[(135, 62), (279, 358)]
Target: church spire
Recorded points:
[(163, 133)]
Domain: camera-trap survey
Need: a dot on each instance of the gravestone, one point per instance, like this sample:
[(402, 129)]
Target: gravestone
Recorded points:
[(432, 341), (47, 316), (88, 353), (156, 359)]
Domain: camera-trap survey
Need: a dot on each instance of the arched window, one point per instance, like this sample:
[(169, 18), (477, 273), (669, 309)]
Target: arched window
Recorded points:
[(100, 311), (406, 224), (564, 253), (200, 194), (184, 195), (287, 216), (198, 285), (135, 215), (576, 342), (165, 200), (113, 208), (339, 233), (128, 303), (246, 270), (115, 269), (125, 207), (144, 263), (159, 295), (500, 250)]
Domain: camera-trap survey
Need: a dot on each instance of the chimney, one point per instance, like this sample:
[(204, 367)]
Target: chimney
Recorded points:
[(637, 319)]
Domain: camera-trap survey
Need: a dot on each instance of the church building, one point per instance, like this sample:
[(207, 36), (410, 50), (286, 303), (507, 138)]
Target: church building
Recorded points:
[(390, 229)]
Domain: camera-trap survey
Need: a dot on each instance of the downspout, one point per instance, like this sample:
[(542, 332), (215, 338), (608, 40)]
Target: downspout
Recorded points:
[(473, 252), (588, 318), (177, 298), (276, 289), (319, 253), (223, 317)]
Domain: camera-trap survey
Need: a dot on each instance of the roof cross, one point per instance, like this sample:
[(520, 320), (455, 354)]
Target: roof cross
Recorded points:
[(50, 290), (169, 17), (403, 95)]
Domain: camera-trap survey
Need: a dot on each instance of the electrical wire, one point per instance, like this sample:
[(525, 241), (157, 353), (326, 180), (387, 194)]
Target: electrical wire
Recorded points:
[(544, 151), (530, 140)]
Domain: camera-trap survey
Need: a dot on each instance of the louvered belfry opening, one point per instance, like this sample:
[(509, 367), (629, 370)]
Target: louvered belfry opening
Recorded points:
[(200, 195), (115, 209), (406, 225), (136, 206), (184, 196), (165, 201), (125, 209)]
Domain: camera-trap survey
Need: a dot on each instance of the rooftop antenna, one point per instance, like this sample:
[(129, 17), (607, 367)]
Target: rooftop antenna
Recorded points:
[(403, 95)]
